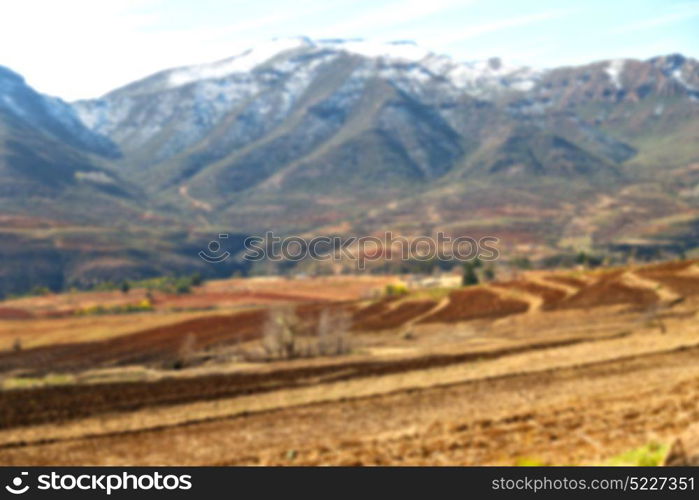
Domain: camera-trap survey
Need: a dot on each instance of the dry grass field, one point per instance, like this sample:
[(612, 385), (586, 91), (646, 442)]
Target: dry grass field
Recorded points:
[(551, 368)]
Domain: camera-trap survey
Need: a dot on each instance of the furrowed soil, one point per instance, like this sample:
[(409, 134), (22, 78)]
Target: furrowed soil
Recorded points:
[(550, 368)]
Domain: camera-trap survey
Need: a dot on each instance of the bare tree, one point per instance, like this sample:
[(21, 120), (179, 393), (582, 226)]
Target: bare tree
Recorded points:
[(286, 336), (333, 332), (653, 315), (185, 352), (281, 334)]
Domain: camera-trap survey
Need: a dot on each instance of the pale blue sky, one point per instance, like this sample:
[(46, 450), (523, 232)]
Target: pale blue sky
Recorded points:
[(84, 48)]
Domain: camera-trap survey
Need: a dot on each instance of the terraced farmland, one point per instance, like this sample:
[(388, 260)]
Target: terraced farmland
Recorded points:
[(553, 367)]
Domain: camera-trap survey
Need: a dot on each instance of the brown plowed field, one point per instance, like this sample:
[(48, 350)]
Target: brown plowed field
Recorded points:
[(673, 275), (607, 292), (683, 285), (377, 308), (14, 313), (573, 415), (575, 381), (163, 344), (665, 267), (312, 312), (550, 296), (207, 299), (477, 303), (567, 280), (62, 403), (156, 344), (395, 317)]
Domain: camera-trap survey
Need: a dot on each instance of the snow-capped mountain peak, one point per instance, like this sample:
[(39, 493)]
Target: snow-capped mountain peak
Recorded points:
[(51, 115), (244, 98), (268, 80), (477, 77), (241, 63), (248, 60), (399, 50)]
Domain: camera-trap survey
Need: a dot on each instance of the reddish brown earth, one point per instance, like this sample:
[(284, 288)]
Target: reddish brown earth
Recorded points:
[(550, 296), (581, 379), (394, 317), (477, 303), (607, 292), (63, 403), (156, 344), (567, 280), (683, 285), (664, 267), (14, 313)]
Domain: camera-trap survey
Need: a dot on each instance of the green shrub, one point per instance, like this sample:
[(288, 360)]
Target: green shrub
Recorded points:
[(522, 263), (197, 279), (40, 291), (143, 306), (396, 290), (469, 276), (529, 462), (648, 455)]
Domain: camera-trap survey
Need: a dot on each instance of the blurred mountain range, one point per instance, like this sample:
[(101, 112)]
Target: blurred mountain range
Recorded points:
[(351, 137)]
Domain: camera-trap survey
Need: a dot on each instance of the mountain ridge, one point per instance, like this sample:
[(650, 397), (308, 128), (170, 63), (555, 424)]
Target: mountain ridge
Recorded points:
[(307, 136)]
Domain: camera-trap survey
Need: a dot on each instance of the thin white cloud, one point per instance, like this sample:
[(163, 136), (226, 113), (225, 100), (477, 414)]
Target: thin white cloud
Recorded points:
[(278, 19), (688, 12), (83, 48), (482, 29), (393, 14)]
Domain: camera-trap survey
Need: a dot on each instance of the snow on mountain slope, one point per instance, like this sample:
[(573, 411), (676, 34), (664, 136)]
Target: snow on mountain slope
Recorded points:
[(144, 111), (51, 115), (245, 62), (172, 110), (200, 116), (402, 50), (614, 69), (462, 75)]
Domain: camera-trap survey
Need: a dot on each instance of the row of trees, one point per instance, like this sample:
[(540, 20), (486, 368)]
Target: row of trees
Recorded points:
[(470, 275), (475, 270), (167, 284)]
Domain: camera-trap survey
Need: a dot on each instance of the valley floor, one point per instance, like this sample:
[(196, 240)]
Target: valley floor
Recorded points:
[(550, 368)]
